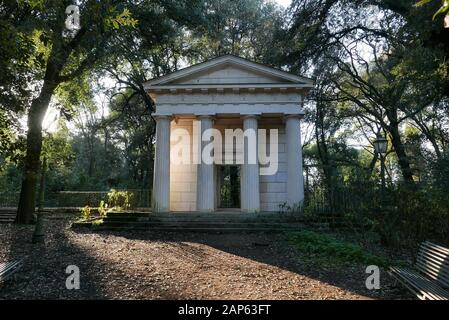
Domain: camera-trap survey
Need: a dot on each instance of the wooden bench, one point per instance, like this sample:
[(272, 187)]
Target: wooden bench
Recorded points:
[(8, 269), (430, 281)]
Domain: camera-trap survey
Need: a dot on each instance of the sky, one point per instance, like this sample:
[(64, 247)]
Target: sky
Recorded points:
[(284, 3)]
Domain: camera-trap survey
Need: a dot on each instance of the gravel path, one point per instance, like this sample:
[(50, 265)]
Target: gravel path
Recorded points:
[(143, 265)]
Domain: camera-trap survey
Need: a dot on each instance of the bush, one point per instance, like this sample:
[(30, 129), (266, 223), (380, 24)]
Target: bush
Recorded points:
[(332, 250), (121, 200), (418, 213), (403, 215), (86, 213), (103, 208)]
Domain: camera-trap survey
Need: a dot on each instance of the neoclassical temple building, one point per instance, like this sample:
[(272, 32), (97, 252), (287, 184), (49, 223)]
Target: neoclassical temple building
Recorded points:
[(227, 94)]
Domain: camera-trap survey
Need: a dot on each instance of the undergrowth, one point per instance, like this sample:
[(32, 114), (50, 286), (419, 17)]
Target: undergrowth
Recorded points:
[(326, 249)]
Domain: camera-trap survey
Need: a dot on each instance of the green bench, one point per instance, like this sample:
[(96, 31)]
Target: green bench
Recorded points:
[(430, 280)]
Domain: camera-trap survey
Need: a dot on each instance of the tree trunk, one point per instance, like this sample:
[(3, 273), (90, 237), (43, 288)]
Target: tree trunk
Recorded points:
[(91, 156), (90, 171), (323, 151), (36, 115), (106, 140), (399, 149), (41, 201), (372, 164)]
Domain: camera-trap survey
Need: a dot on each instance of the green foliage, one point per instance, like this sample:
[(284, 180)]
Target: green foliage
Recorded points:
[(401, 216), (121, 200), (86, 213), (443, 9), (241, 27), (419, 213), (103, 208), (332, 250), (16, 49), (57, 147), (12, 148), (124, 19), (34, 4), (97, 223)]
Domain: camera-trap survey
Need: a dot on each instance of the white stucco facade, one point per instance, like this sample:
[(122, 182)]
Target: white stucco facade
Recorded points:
[(227, 93)]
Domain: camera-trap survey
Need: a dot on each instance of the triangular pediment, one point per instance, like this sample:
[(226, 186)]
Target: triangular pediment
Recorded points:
[(229, 74), (228, 70)]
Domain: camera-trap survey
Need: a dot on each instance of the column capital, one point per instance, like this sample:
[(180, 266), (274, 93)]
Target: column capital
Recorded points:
[(250, 116)]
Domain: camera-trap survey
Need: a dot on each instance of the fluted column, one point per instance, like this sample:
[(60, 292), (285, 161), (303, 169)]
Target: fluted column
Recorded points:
[(205, 174), (250, 196), (295, 178), (161, 181)]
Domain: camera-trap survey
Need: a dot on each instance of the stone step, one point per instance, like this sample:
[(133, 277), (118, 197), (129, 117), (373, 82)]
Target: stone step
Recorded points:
[(189, 229), (191, 219), (190, 215), (4, 221), (127, 214), (198, 224), (7, 217), (125, 219), (219, 216), (201, 222)]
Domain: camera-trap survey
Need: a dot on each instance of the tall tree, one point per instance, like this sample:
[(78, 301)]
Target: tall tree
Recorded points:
[(241, 27), (387, 71), (61, 56)]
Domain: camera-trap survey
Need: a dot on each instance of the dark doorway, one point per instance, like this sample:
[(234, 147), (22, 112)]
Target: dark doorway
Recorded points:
[(229, 187)]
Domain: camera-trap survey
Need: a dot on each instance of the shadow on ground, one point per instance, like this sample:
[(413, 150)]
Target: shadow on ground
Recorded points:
[(43, 275), (150, 265), (271, 249)]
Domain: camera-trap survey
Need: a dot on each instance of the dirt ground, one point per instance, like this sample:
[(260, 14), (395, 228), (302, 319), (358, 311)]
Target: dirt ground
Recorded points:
[(149, 265)]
